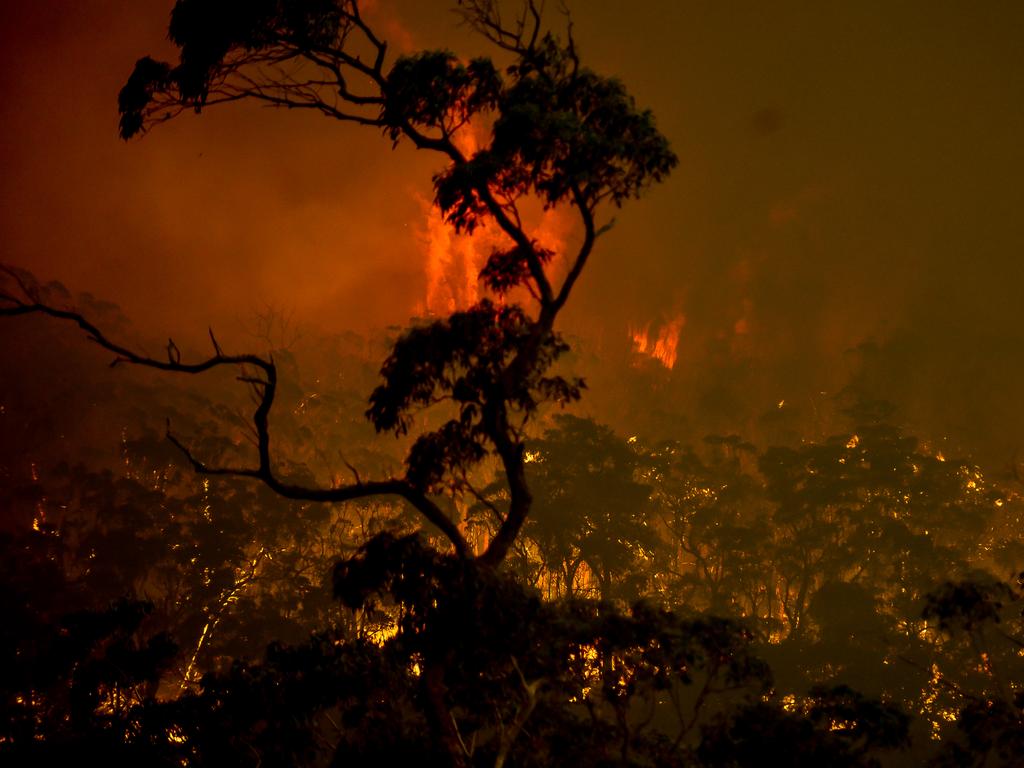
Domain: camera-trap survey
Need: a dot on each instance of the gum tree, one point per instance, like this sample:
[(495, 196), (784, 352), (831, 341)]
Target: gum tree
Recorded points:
[(559, 134)]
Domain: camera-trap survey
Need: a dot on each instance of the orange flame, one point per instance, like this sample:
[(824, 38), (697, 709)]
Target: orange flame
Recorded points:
[(664, 348), (640, 339), (454, 261)]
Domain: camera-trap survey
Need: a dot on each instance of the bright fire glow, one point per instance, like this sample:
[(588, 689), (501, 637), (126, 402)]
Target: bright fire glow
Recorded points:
[(662, 346), (454, 261)]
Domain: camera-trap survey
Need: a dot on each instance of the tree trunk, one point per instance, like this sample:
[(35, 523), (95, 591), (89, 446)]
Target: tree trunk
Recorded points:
[(439, 717)]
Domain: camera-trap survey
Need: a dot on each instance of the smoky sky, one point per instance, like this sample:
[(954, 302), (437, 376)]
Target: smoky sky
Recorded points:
[(848, 200)]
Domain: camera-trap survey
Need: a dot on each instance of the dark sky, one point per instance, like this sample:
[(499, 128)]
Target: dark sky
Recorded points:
[(849, 172)]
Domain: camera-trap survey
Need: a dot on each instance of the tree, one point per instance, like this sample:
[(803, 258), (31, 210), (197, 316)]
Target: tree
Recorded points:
[(559, 134), (980, 623), (590, 508), (874, 508), (590, 517), (713, 518), (834, 726)]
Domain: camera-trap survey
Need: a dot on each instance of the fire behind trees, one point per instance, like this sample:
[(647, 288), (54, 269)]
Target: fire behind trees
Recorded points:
[(818, 604), (827, 601)]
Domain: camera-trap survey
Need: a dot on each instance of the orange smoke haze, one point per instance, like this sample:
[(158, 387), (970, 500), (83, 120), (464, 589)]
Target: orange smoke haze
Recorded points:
[(848, 174)]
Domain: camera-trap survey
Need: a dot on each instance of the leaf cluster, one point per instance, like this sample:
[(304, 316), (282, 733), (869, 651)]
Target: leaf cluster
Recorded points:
[(209, 33), (834, 726), (562, 133), (434, 90), (464, 359)]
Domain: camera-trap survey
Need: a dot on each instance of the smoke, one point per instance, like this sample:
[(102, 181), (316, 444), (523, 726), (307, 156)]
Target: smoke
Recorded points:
[(845, 217)]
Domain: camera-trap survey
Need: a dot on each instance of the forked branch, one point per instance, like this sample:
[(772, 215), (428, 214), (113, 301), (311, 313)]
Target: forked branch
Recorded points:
[(23, 298)]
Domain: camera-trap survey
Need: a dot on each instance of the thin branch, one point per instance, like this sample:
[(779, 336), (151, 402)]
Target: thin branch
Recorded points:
[(589, 236), (353, 470), (482, 499), (508, 736), (216, 347), (11, 306)]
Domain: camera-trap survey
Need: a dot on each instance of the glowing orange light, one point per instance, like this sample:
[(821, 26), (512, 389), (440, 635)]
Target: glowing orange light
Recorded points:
[(664, 347), (640, 340), (454, 260)]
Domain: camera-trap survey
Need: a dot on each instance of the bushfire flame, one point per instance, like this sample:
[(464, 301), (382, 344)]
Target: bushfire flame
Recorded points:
[(453, 261), (662, 346)]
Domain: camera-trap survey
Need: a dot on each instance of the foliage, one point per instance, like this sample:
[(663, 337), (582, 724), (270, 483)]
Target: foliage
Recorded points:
[(141, 596), (462, 358), (72, 667), (834, 727)]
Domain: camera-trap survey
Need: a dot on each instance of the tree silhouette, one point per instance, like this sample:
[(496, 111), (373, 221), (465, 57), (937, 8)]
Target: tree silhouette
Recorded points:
[(559, 133), (590, 520), (174, 571)]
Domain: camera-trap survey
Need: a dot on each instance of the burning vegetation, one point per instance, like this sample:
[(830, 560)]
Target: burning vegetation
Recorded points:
[(661, 346), (472, 575)]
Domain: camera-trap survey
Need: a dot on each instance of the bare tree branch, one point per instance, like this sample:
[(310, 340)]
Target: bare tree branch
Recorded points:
[(265, 389)]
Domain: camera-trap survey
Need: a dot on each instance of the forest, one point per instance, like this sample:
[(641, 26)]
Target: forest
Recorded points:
[(481, 537)]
